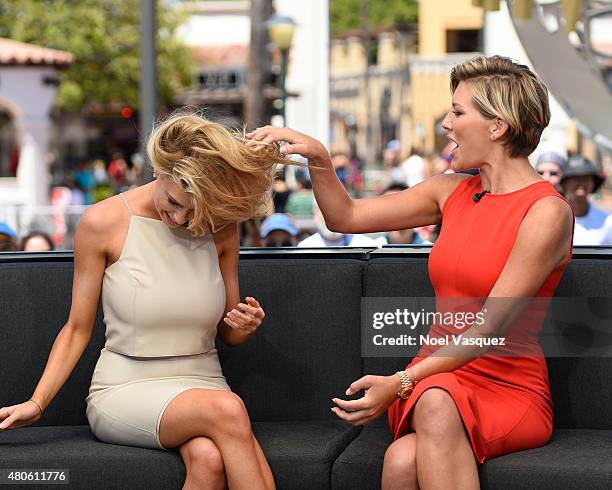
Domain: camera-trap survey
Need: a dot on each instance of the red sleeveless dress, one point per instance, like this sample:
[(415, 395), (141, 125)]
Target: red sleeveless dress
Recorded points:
[(504, 400)]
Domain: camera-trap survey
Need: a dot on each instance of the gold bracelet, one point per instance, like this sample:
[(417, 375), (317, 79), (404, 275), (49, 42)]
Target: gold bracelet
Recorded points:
[(38, 405), (406, 385), (414, 376)]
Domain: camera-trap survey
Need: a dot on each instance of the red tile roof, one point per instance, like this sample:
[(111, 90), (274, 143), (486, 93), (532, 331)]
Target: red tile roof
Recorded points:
[(234, 55), (18, 53)]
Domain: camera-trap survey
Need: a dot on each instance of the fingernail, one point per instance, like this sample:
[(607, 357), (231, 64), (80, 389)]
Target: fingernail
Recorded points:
[(283, 149), (348, 392)]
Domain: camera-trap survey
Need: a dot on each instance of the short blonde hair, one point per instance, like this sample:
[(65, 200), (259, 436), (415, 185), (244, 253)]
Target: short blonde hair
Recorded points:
[(507, 90), (228, 181)]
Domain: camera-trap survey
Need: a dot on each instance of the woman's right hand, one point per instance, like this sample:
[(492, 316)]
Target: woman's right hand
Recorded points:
[(297, 143), (16, 416)]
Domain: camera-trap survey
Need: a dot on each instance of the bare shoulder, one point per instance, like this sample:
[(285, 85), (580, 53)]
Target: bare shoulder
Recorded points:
[(449, 181), (100, 216), (546, 230), (100, 222), (227, 239), (551, 215), (443, 185)]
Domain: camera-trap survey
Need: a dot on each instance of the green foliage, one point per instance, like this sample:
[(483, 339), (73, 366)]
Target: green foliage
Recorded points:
[(103, 35), (345, 14)]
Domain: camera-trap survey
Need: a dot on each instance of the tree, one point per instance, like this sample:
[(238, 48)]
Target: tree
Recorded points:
[(344, 14), (103, 35)]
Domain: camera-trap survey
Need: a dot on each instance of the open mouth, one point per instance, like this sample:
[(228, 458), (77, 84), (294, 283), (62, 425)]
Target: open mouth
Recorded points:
[(455, 147)]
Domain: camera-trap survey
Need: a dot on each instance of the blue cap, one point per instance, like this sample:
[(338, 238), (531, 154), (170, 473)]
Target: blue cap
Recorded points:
[(7, 230), (278, 221), (393, 145)]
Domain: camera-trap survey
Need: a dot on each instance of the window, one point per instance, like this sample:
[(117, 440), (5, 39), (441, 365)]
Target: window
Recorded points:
[(463, 41)]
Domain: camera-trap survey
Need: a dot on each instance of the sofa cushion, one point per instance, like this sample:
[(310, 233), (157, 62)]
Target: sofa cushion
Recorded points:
[(300, 454), (360, 465), (571, 459), (308, 348), (580, 385), (91, 464), (395, 276)]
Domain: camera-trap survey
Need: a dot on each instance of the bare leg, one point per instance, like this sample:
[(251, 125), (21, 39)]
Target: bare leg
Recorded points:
[(221, 416), (264, 464), (444, 456), (204, 465), (399, 467)]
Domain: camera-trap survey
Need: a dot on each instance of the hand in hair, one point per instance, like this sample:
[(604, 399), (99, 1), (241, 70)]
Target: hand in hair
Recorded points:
[(297, 143)]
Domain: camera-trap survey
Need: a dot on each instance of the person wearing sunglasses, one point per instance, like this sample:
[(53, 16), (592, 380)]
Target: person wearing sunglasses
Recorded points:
[(550, 166), (278, 230), (580, 181)]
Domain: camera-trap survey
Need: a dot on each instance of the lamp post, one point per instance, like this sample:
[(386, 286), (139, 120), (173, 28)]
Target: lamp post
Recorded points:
[(280, 31)]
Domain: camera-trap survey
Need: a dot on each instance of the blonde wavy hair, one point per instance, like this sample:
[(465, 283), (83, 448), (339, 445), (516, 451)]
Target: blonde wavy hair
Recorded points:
[(228, 181), (507, 90)]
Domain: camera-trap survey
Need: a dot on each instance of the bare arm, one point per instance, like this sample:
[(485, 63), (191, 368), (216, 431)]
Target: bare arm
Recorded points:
[(240, 320), (418, 206), (89, 264)]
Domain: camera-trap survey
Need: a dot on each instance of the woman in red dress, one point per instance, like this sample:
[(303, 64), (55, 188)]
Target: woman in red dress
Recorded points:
[(506, 237)]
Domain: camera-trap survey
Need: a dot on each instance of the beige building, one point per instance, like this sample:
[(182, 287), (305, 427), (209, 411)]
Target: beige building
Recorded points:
[(450, 31), (385, 113), (407, 81)]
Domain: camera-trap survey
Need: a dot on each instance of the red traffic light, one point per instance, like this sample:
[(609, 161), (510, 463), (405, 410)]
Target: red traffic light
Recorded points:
[(126, 112)]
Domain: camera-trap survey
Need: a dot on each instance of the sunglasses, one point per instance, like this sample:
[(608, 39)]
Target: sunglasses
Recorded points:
[(552, 173)]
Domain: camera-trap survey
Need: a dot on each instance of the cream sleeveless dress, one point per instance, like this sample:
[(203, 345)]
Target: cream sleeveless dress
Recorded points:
[(162, 301)]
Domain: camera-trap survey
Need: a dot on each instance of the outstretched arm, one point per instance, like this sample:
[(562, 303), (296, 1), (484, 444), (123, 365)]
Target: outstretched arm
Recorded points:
[(89, 265), (418, 206)]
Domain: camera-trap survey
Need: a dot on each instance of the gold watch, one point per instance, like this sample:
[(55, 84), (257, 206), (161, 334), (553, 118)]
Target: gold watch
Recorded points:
[(407, 385)]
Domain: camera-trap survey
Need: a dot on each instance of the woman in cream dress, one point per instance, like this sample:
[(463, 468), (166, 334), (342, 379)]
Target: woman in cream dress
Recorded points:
[(164, 259)]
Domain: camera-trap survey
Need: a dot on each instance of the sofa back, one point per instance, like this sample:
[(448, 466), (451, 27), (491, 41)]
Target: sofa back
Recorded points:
[(306, 351), (309, 348)]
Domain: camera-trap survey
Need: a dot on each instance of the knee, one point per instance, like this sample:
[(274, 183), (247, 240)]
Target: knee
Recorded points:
[(203, 459), (436, 415), (400, 462), (231, 414)]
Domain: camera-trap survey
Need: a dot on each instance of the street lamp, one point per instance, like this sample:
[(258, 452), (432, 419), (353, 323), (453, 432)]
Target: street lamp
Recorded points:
[(281, 30)]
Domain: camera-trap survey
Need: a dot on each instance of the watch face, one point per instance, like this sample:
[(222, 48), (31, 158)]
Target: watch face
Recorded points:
[(405, 393)]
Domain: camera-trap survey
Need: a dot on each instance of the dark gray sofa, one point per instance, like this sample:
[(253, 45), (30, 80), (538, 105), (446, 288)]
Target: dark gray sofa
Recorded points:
[(307, 352)]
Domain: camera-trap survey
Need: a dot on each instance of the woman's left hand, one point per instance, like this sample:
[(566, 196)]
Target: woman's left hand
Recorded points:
[(380, 392), (245, 318)]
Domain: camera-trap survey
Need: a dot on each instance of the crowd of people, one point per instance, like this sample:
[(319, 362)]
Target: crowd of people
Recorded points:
[(294, 218), (33, 241), (577, 178), (92, 181)]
